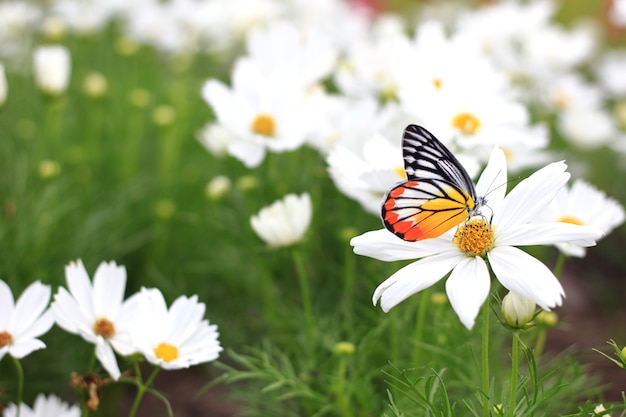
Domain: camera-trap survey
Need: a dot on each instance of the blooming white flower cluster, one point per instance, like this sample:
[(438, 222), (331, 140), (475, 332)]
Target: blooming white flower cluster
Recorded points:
[(470, 82), (171, 338)]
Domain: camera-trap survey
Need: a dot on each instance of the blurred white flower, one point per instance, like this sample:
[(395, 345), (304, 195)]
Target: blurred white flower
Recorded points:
[(370, 67), (262, 111), (367, 173), (587, 127), (23, 322), (568, 91), (583, 204), (284, 222), (97, 312), (471, 110), (215, 138), (306, 50), (4, 86), (17, 20), (617, 13), (86, 17), (50, 406), (177, 337), (610, 72), (52, 65)]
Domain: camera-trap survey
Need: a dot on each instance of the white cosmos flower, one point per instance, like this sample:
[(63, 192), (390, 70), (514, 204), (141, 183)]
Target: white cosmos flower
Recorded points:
[(177, 337), (23, 322), (465, 254), (52, 65), (97, 312), (262, 111), (50, 406), (284, 222), (583, 204)]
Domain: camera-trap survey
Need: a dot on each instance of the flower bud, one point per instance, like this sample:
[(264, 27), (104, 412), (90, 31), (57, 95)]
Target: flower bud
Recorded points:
[(218, 187), (344, 348), (52, 69), (517, 310), (95, 85)]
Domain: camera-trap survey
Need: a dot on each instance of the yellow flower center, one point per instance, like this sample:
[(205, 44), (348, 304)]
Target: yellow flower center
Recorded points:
[(571, 220), (466, 123), (561, 100), (264, 124), (166, 352), (437, 83), (104, 328), (475, 237), (5, 339)]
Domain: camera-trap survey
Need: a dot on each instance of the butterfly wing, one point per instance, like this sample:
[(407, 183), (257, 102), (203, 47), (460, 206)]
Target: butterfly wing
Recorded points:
[(437, 195)]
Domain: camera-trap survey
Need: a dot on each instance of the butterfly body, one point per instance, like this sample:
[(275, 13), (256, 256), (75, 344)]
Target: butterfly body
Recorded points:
[(437, 195)]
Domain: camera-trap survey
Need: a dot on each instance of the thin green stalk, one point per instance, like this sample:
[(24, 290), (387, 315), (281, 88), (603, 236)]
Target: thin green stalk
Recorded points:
[(540, 342), (560, 263), (342, 399), (305, 295), (20, 384), (418, 335), (267, 295), (485, 359), (510, 412), (348, 278), (543, 332), (141, 388)]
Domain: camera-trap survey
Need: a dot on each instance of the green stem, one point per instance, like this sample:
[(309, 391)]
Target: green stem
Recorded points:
[(418, 335), (141, 388), (540, 342), (348, 280), (20, 384), (560, 263), (305, 295), (485, 359), (510, 412), (343, 401), (543, 331)]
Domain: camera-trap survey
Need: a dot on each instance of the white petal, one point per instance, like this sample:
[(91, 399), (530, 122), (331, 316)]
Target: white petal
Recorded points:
[(25, 347), (109, 284), (105, 355), (186, 314), (40, 326), (80, 286), (385, 246), (31, 304), (67, 313), (547, 234), (249, 153), (525, 275), (414, 278), (6, 305), (468, 288), (531, 196)]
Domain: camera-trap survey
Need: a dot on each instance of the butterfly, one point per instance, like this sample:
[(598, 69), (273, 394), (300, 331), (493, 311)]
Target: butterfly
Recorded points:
[(437, 195)]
